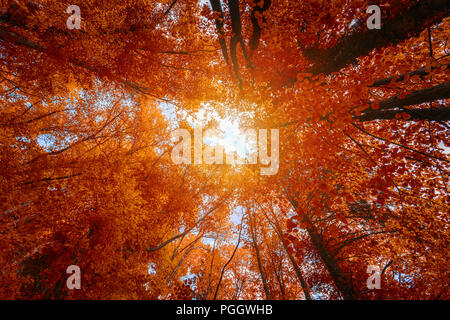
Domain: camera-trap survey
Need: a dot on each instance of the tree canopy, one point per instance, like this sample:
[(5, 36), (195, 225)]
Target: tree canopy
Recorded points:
[(87, 178)]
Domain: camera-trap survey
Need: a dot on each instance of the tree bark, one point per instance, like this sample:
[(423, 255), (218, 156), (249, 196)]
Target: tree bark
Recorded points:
[(422, 72), (432, 114), (439, 92), (407, 24), (256, 35), (297, 270), (228, 262), (340, 279), (217, 7), (258, 257)]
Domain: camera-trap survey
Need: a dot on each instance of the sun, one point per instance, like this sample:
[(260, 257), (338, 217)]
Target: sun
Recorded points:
[(228, 134), (228, 131)]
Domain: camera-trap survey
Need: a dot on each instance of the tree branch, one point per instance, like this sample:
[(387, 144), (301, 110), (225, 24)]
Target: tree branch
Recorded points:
[(407, 24)]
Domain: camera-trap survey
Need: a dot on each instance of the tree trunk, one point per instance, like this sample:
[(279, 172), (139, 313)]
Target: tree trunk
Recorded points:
[(298, 272), (407, 24), (340, 279), (258, 258)]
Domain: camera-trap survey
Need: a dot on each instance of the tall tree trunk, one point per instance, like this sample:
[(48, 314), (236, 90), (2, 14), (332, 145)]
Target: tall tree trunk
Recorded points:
[(340, 279), (217, 7), (297, 270), (406, 24), (258, 257), (229, 260)]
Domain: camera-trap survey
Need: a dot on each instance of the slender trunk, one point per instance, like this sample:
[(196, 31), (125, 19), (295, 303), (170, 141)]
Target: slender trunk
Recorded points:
[(277, 270), (279, 276), (258, 258), (205, 296), (297, 270), (228, 262)]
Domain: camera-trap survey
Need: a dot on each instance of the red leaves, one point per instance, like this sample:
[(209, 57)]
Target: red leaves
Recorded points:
[(345, 195), (291, 224)]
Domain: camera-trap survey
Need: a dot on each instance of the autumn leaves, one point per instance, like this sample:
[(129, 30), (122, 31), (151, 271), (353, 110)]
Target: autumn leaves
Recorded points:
[(354, 174)]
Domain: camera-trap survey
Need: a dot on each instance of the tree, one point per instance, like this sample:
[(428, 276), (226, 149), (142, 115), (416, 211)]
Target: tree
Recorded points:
[(86, 176)]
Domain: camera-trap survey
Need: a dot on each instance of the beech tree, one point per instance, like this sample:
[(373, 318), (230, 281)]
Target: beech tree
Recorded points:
[(87, 179)]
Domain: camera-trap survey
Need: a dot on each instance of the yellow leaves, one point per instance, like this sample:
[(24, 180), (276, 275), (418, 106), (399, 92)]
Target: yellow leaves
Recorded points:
[(130, 195)]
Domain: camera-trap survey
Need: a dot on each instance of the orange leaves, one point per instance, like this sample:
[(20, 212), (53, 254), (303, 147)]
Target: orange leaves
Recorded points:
[(406, 116), (402, 115), (291, 224), (322, 186), (407, 77), (341, 217), (86, 175)]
